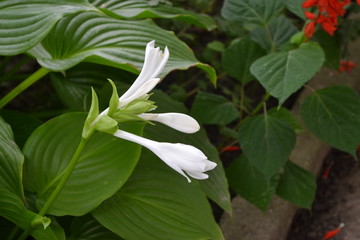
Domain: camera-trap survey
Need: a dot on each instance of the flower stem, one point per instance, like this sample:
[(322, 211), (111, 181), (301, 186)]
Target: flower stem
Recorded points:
[(65, 177), (24, 85)]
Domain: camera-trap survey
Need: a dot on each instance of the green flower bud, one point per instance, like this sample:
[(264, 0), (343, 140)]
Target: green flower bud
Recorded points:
[(106, 124)]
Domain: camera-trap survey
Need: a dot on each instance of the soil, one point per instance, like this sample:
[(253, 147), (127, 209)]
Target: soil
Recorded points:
[(337, 202)]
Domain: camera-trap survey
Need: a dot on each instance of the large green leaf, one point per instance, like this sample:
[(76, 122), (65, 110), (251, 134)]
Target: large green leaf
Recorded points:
[(157, 203), (86, 227), (333, 115), (103, 167), (11, 162), (93, 37), (252, 12), (283, 73), (216, 186), (239, 56), (13, 209), (279, 32), (148, 9), (267, 142), (213, 109), (250, 183), (297, 185), (295, 6), (331, 46), (22, 124), (75, 85), (25, 23)]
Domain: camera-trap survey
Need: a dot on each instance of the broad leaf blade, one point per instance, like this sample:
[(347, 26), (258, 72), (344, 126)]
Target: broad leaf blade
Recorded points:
[(216, 186), (239, 56), (145, 9), (25, 23), (93, 37), (11, 162), (213, 109), (158, 204), (103, 167), (333, 115), (295, 6), (250, 183), (13, 209), (297, 185), (267, 142), (283, 73), (252, 12)]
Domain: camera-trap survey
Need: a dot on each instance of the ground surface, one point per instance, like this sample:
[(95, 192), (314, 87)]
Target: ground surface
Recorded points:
[(337, 201)]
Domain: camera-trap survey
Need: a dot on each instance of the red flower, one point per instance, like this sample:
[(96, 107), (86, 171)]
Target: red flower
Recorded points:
[(358, 1), (334, 232), (346, 66), (310, 29)]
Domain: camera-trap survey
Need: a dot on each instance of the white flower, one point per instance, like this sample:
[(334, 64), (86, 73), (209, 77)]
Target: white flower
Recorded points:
[(178, 156), (179, 121)]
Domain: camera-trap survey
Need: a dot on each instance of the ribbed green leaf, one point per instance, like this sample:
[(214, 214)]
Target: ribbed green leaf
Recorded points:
[(216, 186), (333, 115), (103, 167), (297, 185), (276, 34), (157, 203), (25, 23), (11, 161), (250, 183), (283, 73), (213, 109), (252, 12), (239, 56), (295, 6), (93, 37), (267, 142), (86, 227), (148, 9), (13, 209)]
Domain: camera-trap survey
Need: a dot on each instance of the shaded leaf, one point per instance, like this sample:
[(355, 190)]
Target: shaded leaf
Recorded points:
[(252, 12), (286, 116), (267, 142), (295, 6), (239, 56), (297, 185), (213, 109), (250, 183), (333, 115), (331, 46)]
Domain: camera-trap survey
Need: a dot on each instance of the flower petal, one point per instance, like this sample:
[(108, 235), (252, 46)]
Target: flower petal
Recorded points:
[(179, 121)]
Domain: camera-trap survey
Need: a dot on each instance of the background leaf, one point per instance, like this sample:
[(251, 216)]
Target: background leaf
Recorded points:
[(295, 6), (157, 203), (275, 35), (86, 227), (25, 23), (283, 73), (252, 12), (147, 9), (213, 109), (297, 185), (333, 115), (267, 142), (239, 56), (105, 164), (117, 43), (331, 46)]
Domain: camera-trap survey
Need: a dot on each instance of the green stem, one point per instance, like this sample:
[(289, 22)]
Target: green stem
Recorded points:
[(65, 177), (24, 85)]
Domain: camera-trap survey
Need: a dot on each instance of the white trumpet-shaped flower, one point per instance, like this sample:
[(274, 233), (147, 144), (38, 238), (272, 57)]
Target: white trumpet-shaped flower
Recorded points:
[(181, 157), (178, 156), (179, 121)]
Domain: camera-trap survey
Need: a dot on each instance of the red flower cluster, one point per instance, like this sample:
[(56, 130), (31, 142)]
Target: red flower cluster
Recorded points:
[(346, 65), (328, 12)]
